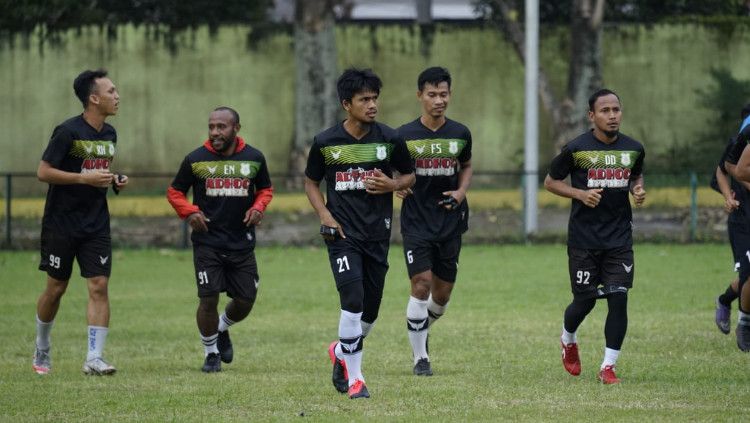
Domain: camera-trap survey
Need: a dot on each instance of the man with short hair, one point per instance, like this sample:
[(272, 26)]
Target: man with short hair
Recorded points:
[(76, 165), (738, 165), (737, 204), (231, 190), (604, 165), (435, 212), (357, 158)]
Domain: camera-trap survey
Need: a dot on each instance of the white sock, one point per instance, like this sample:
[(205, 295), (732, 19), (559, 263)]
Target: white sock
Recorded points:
[(610, 357), (350, 342), (225, 322), (97, 339), (743, 319), (417, 327), (366, 328), (435, 310), (209, 344), (568, 337), (42, 333)]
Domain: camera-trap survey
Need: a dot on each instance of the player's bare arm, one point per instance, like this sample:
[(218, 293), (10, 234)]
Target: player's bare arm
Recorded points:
[(464, 181), (380, 183), (637, 190), (742, 170), (722, 180), (312, 190), (589, 197), (51, 175)]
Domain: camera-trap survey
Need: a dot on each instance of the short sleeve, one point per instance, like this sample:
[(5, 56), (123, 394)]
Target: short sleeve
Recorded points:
[(185, 178), (465, 155), (637, 169), (562, 164), (316, 167), (733, 156), (58, 147), (263, 178), (400, 159)]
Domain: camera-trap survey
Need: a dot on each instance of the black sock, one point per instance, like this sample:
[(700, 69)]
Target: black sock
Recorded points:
[(728, 296)]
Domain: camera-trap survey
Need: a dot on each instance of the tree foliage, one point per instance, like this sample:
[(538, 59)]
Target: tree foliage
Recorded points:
[(52, 17)]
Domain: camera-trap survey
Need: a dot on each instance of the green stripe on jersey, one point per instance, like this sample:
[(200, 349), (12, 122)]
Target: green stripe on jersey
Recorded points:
[(226, 169), (605, 159), (435, 148), (86, 149), (356, 153)]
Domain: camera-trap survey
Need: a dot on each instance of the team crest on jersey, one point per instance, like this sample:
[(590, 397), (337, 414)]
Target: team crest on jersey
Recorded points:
[(381, 153), (625, 159), (245, 169), (387, 223), (453, 147)]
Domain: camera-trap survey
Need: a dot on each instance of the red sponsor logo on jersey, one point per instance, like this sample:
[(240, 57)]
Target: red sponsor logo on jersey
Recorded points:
[(227, 187), (608, 177), (436, 166), (95, 164), (353, 179)]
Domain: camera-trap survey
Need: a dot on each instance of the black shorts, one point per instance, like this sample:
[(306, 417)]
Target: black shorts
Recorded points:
[(94, 255), (233, 272), (439, 256), (358, 261), (739, 239), (598, 273)]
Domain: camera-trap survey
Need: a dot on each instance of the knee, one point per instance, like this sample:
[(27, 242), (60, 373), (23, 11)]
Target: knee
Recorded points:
[(351, 298), (98, 287), (56, 288), (207, 304), (243, 305), (420, 286), (618, 302)]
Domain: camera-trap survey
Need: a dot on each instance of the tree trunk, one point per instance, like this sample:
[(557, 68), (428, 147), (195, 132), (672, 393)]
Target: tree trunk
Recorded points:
[(426, 27), (316, 106), (570, 113)]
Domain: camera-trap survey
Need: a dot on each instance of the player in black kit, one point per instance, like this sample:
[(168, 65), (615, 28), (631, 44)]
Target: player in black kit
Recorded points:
[(738, 165), (435, 212), (356, 158), (604, 166), (76, 165), (231, 190)]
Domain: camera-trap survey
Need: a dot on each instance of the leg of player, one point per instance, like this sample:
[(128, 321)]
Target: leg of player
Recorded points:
[(575, 313), (351, 296), (207, 318), (724, 306), (235, 311), (46, 310), (98, 320), (614, 333), (416, 321), (743, 322)]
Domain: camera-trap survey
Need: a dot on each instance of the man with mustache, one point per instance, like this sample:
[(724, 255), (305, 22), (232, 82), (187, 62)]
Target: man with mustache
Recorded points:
[(604, 167), (231, 190)]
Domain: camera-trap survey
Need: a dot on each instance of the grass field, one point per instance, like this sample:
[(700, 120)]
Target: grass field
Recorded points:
[(495, 353)]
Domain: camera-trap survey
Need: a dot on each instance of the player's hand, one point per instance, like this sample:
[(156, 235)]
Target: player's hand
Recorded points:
[(119, 182), (730, 204), (459, 197), (592, 197), (639, 195), (198, 221), (252, 217), (403, 193), (331, 223), (379, 183), (98, 178)]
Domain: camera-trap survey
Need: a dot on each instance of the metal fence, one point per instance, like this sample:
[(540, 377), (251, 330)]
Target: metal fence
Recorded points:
[(684, 222)]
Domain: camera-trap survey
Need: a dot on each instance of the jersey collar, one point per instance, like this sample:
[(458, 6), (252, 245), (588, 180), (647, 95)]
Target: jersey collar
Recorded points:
[(240, 145)]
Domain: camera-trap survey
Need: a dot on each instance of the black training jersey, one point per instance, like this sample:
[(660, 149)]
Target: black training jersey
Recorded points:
[(344, 162), (436, 156), (731, 154), (78, 209), (224, 189), (593, 164)]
